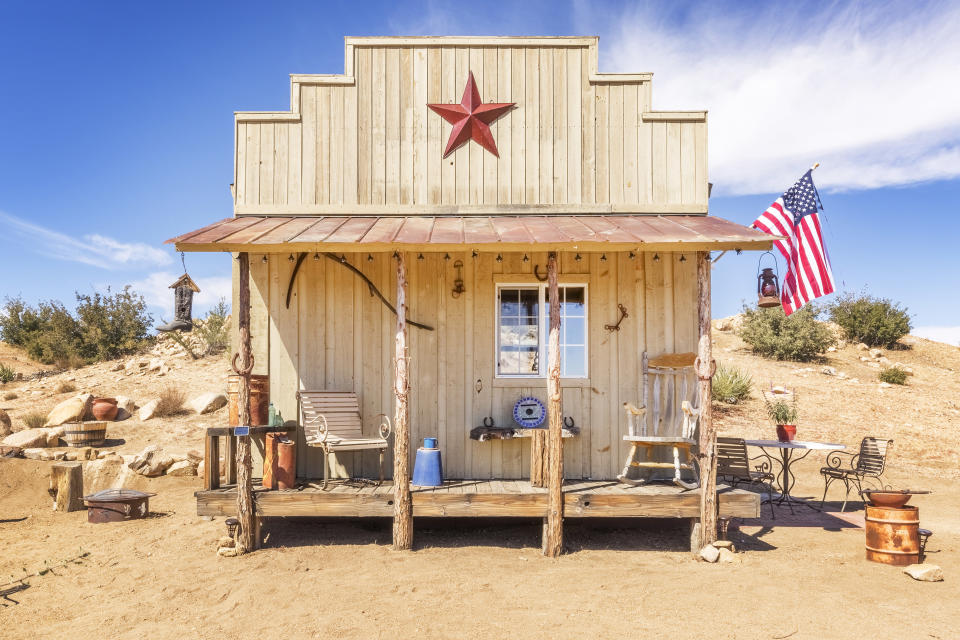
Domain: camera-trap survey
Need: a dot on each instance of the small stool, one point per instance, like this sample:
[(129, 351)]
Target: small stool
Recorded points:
[(924, 535)]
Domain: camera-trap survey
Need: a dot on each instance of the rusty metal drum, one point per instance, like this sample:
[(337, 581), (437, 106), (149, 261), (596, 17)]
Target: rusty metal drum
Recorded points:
[(116, 505), (893, 535), (279, 462), (259, 400)]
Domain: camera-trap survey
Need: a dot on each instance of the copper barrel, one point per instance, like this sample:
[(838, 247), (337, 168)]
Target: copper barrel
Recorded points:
[(279, 462), (893, 535), (259, 400)]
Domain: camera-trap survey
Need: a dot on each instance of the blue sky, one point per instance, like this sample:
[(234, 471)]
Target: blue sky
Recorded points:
[(116, 124)]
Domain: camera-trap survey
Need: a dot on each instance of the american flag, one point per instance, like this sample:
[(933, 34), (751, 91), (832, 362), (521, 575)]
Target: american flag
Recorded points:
[(794, 216)]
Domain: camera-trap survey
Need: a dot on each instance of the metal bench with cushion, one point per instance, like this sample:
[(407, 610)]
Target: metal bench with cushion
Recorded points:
[(332, 422), (733, 466), (867, 464)]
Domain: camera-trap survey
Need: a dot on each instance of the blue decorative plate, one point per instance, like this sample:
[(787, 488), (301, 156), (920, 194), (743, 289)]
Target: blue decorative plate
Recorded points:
[(529, 413)]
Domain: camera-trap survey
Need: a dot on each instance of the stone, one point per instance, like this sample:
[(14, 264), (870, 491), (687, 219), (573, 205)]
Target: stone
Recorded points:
[(125, 407), (194, 456), (155, 365), (147, 410), (924, 572), (724, 544), (864, 359), (182, 468), (831, 349), (87, 453), (117, 366), (200, 468), (885, 385), (841, 376), (6, 426), (105, 454), (885, 361), (863, 347), (70, 410), (208, 402), (828, 371), (106, 473), (27, 439), (876, 353), (727, 555), (226, 541), (34, 453), (53, 436), (873, 365), (709, 553), (151, 462), (226, 552), (207, 518)]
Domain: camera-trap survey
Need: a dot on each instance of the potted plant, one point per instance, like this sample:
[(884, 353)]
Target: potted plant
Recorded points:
[(783, 413)]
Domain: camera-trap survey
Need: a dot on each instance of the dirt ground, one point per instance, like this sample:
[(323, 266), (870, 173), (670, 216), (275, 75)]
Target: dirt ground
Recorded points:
[(800, 577)]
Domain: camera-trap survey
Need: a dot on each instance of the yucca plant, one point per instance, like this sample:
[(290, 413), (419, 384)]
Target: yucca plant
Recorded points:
[(731, 385)]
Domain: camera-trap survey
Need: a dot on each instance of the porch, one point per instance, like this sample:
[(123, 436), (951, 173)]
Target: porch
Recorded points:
[(482, 498)]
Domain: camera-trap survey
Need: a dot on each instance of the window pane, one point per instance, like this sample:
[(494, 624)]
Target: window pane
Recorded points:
[(519, 331), (573, 301), (529, 299), (574, 363), (573, 331)]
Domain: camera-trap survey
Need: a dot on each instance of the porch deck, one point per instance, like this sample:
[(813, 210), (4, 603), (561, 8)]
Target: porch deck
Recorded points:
[(484, 498)]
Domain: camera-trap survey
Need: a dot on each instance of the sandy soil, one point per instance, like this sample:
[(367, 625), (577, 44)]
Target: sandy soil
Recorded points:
[(800, 577)]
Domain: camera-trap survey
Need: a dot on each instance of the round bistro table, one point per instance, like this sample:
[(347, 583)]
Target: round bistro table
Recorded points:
[(785, 478)]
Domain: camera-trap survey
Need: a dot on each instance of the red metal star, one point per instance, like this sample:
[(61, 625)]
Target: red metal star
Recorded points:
[(471, 119)]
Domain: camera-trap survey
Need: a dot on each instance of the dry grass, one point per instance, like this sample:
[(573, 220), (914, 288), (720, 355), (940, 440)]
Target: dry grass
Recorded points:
[(66, 387), (10, 395), (34, 419), (172, 401)]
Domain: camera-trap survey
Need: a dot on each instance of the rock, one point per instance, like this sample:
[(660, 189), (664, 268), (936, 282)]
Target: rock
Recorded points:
[(226, 541), (195, 456), (147, 410), (183, 468), (34, 453), (873, 365), (724, 544), (885, 361), (208, 402), (226, 552), (70, 410), (151, 462), (876, 353), (207, 518), (828, 371), (6, 426), (87, 453), (863, 347), (727, 555), (53, 436), (841, 376), (864, 359), (831, 349), (27, 439), (924, 572), (156, 364), (105, 454), (117, 366), (200, 468), (885, 385), (709, 553), (106, 473)]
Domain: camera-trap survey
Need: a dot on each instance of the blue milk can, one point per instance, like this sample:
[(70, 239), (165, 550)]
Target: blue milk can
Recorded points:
[(428, 469)]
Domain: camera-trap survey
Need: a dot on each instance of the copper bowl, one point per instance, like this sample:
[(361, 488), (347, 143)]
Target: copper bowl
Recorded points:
[(890, 498)]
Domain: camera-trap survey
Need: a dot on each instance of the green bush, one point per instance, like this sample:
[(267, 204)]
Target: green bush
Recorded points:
[(893, 375), (6, 373), (877, 322), (34, 419), (800, 337), (104, 327), (731, 385), (214, 330)]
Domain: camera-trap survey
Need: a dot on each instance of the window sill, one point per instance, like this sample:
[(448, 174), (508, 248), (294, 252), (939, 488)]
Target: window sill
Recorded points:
[(538, 383)]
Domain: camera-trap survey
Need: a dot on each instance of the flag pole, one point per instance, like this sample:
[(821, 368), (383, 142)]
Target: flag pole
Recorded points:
[(815, 165)]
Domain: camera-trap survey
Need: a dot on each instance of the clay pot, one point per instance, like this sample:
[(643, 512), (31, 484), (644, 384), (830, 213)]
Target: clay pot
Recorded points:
[(786, 432), (104, 409)]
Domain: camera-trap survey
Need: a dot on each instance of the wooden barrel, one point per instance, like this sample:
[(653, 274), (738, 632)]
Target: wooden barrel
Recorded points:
[(893, 535), (259, 400), (85, 434)]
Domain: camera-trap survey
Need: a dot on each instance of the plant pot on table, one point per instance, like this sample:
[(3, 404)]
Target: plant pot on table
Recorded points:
[(786, 432)]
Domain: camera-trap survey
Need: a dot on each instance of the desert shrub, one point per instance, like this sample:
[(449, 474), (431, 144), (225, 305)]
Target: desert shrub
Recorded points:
[(34, 419), (772, 334), (172, 401), (893, 375), (66, 387), (47, 332), (69, 361), (7, 374), (214, 330), (877, 322), (10, 395), (731, 385)]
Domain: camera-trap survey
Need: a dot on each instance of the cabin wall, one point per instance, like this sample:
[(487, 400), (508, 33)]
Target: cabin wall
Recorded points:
[(371, 140), (337, 336)]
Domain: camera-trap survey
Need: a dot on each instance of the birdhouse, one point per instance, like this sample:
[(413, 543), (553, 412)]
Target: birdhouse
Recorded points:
[(183, 290)]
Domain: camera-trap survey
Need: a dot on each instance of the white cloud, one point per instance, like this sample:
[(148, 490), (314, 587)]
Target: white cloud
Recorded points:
[(156, 290), (94, 249), (949, 335), (869, 90)]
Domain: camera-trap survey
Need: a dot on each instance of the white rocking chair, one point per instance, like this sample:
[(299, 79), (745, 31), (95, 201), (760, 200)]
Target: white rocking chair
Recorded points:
[(674, 387)]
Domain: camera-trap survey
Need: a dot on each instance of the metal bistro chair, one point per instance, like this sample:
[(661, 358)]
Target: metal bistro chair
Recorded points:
[(733, 465), (332, 422), (869, 463)]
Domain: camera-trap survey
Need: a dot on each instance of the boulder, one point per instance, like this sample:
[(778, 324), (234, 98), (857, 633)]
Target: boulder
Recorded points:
[(208, 402), (194, 456), (151, 462), (70, 410), (53, 436), (34, 453), (828, 371), (147, 410), (27, 439), (156, 364), (6, 426), (863, 347), (125, 407), (885, 361), (183, 468), (924, 572), (876, 353), (106, 473), (709, 553), (727, 555), (724, 544)]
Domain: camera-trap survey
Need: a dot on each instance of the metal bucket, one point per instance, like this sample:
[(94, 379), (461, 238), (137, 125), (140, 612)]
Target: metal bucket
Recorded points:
[(259, 400), (893, 535)]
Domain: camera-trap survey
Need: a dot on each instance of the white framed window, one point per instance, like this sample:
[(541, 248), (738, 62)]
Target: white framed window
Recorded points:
[(523, 327)]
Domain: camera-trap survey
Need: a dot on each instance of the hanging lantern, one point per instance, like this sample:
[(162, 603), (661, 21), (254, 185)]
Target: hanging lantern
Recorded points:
[(768, 284)]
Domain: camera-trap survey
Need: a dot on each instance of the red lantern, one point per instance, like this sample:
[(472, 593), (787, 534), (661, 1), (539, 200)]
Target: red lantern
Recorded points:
[(768, 284)]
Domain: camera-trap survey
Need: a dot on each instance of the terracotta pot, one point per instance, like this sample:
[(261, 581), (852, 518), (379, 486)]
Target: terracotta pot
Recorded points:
[(104, 409), (786, 432)]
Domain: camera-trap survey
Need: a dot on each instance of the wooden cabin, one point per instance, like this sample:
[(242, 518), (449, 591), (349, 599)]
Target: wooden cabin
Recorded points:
[(356, 172)]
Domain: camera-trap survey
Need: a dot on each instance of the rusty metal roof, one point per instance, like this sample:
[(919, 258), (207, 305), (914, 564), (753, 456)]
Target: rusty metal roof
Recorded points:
[(265, 234)]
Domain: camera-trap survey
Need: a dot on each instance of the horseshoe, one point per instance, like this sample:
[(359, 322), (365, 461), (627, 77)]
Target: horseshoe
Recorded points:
[(233, 365)]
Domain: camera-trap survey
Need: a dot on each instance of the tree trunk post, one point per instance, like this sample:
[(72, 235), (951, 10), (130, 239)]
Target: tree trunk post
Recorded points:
[(538, 458), (402, 505), (708, 433), (553, 529), (247, 537), (66, 486)]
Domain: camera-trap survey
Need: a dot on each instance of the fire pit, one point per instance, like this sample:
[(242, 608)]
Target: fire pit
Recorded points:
[(115, 505)]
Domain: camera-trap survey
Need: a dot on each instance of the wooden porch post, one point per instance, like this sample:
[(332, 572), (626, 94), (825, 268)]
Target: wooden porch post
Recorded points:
[(402, 505), (538, 458), (553, 526), (708, 433), (247, 538)]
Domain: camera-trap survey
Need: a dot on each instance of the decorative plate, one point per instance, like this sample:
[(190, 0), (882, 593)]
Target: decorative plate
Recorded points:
[(529, 413)]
